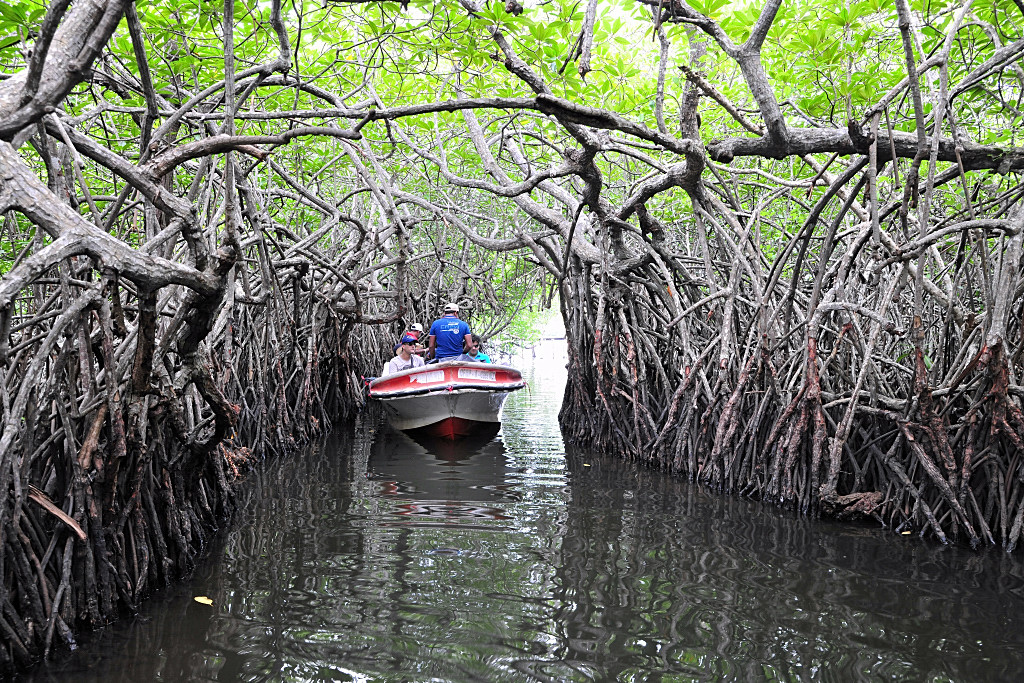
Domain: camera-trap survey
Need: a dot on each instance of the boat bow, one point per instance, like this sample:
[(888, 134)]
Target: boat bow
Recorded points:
[(451, 399)]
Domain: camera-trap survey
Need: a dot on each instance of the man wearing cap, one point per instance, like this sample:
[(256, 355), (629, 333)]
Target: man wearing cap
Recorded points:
[(416, 332), (448, 336), (405, 359)]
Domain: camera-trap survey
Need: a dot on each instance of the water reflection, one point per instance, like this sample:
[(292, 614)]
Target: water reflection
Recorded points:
[(697, 584), (373, 556)]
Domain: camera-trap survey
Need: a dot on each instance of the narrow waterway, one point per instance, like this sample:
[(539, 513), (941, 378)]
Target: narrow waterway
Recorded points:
[(373, 557)]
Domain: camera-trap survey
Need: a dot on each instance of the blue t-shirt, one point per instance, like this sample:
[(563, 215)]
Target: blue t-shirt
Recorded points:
[(450, 334), (479, 358)]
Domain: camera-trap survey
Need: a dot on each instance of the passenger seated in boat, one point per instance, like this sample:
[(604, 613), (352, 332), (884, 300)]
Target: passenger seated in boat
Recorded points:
[(448, 336), (474, 353), (405, 358), (416, 331)]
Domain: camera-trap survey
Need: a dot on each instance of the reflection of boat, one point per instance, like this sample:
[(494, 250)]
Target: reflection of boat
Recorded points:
[(432, 477), (450, 400), (451, 451)]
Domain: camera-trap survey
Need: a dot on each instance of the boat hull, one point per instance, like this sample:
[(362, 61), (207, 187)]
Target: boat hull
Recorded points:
[(450, 414), (450, 400)]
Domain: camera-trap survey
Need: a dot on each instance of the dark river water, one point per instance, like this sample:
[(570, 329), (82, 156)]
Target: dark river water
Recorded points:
[(372, 557)]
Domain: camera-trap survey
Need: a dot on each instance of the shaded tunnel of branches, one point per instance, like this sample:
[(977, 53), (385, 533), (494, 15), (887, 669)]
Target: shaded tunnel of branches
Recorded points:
[(198, 270)]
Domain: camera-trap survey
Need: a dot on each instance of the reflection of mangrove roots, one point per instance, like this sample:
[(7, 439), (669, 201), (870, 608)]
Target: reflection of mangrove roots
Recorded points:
[(157, 448)]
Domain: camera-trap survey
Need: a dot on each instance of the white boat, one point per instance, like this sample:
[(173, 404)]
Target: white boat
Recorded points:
[(450, 400)]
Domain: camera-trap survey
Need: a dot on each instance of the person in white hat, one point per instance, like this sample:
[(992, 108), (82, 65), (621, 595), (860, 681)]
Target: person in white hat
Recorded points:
[(449, 336), (416, 332)]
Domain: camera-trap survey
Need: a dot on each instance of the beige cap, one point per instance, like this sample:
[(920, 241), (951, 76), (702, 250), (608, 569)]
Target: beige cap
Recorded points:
[(451, 308)]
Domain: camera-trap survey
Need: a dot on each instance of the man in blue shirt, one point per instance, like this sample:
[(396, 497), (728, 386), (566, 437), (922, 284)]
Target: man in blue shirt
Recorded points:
[(448, 335)]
